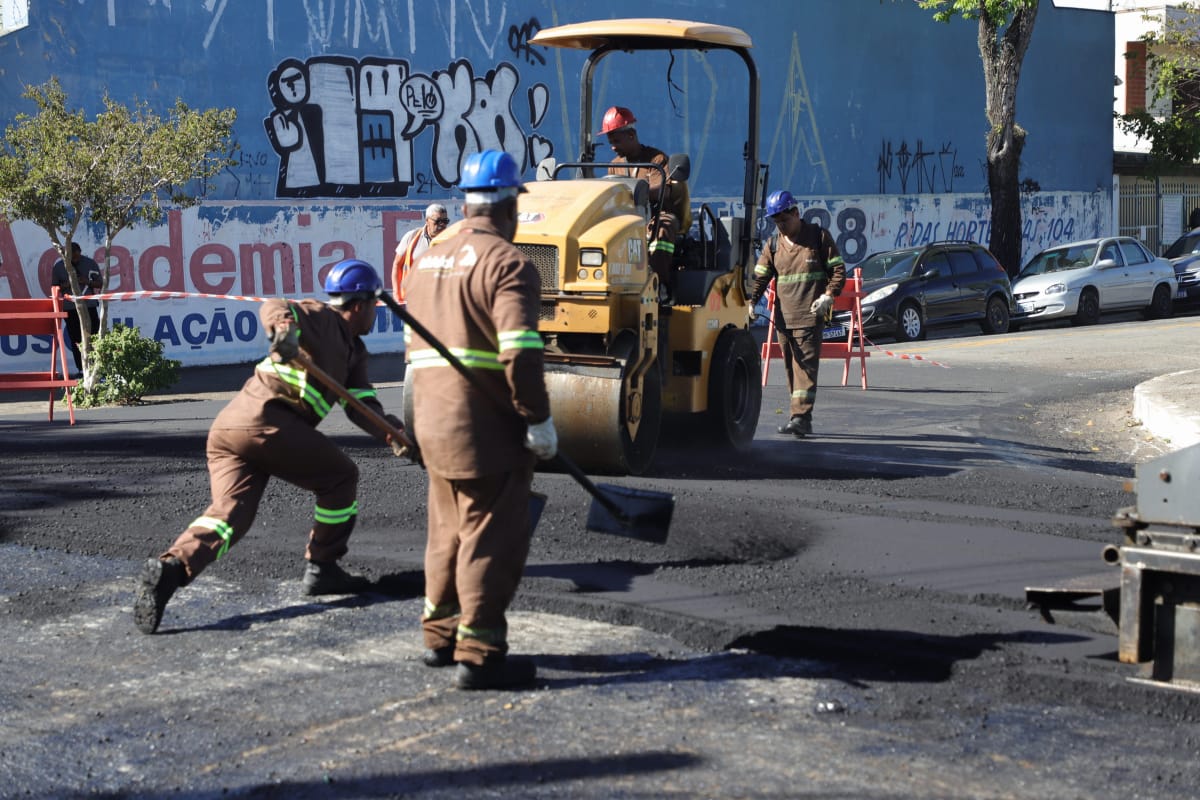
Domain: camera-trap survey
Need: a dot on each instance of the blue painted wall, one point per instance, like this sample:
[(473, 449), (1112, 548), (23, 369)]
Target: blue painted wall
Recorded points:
[(354, 114), (858, 96)]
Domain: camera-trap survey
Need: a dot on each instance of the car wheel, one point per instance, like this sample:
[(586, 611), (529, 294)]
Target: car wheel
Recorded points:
[(1161, 305), (910, 325), (995, 319), (1088, 312)]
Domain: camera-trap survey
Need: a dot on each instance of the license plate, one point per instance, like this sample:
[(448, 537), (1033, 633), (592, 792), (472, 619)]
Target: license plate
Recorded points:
[(1025, 308), (834, 332), (1181, 294)]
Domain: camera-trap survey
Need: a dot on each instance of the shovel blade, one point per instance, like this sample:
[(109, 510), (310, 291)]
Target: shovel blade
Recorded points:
[(645, 515)]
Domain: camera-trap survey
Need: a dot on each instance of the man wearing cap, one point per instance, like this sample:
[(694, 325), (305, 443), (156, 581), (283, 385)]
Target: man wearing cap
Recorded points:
[(414, 244), (269, 429), (675, 214), (808, 271), (479, 296)]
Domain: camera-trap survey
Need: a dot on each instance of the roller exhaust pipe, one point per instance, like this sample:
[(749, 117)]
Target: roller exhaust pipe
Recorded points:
[(1111, 554)]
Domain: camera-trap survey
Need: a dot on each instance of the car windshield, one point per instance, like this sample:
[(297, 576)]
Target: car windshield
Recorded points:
[(1184, 245), (1059, 259), (894, 264)]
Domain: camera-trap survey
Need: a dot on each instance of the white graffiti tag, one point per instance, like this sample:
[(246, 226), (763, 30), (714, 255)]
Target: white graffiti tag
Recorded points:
[(345, 128)]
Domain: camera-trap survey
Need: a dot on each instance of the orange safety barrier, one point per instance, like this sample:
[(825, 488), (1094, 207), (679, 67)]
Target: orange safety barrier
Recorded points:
[(38, 317), (854, 347)]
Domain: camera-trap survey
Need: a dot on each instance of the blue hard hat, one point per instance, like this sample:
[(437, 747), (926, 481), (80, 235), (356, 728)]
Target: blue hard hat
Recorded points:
[(489, 171), (353, 276), (779, 202)]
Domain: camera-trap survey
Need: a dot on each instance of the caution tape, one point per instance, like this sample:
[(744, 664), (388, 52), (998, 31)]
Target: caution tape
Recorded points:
[(914, 357), (152, 295)]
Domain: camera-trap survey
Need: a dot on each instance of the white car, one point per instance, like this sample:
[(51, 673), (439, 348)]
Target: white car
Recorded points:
[(1082, 280)]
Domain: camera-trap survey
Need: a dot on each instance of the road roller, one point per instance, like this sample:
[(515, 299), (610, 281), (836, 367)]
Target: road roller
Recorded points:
[(618, 362)]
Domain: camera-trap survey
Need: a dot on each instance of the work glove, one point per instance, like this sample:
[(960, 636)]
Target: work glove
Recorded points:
[(285, 343), (399, 448), (821, 305), (542, 439)]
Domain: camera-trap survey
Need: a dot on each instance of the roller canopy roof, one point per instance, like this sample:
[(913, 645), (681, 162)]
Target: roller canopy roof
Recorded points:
[(636, 34)]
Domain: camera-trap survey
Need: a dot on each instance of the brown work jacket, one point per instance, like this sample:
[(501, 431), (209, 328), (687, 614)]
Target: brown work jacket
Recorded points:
[(328, 340), (678, 201), (803, 271), (479, 296)]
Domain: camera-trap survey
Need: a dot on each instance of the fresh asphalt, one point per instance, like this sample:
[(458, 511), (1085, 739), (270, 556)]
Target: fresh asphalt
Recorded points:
[(267, 693)]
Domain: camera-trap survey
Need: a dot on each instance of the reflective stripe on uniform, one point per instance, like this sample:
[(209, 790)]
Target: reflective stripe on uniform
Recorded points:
[(358, 394), (440, 612), (836, 261), (659, 246), (805, 394), (298, 380), (218, 526), (762, 270), (475, 359), (801, 277), (335, 516), (486, 635), (520, 340)]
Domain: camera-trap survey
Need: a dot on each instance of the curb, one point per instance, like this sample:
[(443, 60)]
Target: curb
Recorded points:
[(1164, 408)]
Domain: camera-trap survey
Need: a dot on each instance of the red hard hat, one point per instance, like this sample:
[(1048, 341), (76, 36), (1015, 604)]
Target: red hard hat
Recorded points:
[(615, 119)]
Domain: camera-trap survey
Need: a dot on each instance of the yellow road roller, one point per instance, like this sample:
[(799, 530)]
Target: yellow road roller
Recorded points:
[(618, 361)]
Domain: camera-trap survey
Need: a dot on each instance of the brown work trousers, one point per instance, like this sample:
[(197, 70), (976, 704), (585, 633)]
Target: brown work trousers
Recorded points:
[(661, 259), (241, 461), (801, 358), (478, 542)]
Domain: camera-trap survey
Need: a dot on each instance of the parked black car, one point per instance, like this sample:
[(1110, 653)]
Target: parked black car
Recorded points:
[(942, 283), (1184, 255)]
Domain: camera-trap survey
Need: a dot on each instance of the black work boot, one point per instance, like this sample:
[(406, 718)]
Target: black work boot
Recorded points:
[(158, 582), (497, 673), (322, 577), (438, 656), (797, 426)]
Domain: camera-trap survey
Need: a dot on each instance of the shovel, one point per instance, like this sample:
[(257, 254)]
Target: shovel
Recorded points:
[(537, 502), (636, 513)]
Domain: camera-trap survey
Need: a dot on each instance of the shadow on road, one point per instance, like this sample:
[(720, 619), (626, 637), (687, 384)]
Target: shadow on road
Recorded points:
[(893, 656)]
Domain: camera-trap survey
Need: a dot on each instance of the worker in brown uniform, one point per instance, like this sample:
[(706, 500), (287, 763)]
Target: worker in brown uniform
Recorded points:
[(478, 295), (809, 273), (675, 214), (270, 429)]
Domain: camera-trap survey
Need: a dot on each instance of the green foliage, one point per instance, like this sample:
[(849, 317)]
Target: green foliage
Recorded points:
[(127, 367), (998, 11), (1173, 69)]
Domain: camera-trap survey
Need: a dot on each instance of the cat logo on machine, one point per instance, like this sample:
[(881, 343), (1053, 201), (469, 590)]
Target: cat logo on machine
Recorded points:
[(635, 250)]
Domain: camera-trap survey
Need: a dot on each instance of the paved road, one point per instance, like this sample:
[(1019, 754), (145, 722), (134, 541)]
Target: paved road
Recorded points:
[(840, 617)]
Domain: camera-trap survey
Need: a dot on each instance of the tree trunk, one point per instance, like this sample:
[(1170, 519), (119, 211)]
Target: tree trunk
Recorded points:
[(1002, 58)]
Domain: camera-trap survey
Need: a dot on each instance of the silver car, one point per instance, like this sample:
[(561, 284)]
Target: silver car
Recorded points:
[(1082, 280)]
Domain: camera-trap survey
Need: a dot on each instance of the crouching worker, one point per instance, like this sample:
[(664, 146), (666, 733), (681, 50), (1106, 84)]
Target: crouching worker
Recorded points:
[(269, 429)]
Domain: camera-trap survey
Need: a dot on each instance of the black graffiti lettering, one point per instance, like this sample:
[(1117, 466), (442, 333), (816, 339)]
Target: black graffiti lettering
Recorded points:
[(421, 96), (425, 183), (918, 169), (518, 41)]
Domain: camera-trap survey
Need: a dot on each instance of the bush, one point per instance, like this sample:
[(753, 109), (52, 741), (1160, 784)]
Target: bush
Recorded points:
[(126, 366)]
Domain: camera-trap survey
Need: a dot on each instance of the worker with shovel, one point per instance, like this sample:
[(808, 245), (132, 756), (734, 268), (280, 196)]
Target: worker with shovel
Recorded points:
[(270, 429), (479, 295)]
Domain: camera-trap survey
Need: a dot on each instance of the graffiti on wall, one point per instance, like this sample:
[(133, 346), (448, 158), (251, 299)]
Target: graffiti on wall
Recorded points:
[(919, 168), (346, 127)]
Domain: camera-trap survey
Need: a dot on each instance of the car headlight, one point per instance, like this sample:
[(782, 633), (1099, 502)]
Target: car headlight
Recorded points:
[(1055, 288), (880, 294)]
